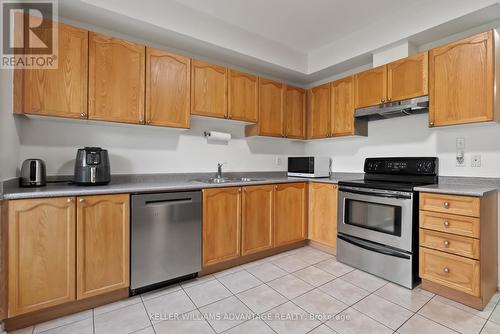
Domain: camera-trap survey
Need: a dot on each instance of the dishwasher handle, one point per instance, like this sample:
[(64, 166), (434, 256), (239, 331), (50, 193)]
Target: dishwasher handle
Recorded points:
[(169, 201), (165, 199)]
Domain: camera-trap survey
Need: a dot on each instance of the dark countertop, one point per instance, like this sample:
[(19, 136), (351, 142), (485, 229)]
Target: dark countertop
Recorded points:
[(156, 183)]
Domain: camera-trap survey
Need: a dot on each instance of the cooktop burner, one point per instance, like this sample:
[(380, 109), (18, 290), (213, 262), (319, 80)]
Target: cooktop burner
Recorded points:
[(401, 174)]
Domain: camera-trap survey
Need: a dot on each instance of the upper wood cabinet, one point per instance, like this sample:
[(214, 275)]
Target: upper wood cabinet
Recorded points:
[(323, 213), (41, 254), (243, 96), (271, 108), (257, 219), (221, 225), (208, 89), (370, 87), (103, 239), (116, 80), (58, 92), (461, 81), (295, 112), (168, 84), (319, 112), (290, 213), (408, 77), (342, 104)]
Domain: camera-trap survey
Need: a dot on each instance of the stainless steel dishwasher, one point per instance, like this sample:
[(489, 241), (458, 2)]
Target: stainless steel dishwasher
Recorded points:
[(166, 239)]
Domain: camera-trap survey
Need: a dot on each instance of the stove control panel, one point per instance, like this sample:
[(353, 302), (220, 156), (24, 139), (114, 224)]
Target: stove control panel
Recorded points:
[(403, 166)]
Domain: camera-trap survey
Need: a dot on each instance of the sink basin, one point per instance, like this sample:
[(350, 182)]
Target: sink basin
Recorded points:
[(215, 180)]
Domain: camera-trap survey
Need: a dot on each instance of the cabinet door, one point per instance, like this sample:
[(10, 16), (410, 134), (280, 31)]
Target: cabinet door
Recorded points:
[(221, 225), (271, 108), (319, 112), (103, 239), (290, 221), (257, 219), (243, 96), (41, 254), (295, 112), (58, 92), (208, 89), (116, 80), (168, 84), (323, 213), (408, 77), (461, 81), (342, 122), (370, 87)]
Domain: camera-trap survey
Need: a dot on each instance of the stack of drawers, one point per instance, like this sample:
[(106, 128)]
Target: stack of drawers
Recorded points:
[(458, 247)]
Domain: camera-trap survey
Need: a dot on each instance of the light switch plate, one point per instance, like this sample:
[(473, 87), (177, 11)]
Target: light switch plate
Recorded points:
[(460, 143), (476, 160)]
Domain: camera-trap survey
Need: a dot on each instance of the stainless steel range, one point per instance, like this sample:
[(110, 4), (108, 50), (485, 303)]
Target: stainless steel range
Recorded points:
[(378, 217)]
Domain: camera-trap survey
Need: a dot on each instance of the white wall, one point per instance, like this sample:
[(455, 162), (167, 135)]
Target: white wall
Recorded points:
[(9, 140), (410, 136), (144, 149)]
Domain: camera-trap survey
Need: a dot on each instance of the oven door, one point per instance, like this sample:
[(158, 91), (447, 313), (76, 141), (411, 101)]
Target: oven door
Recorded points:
[(381, 216)]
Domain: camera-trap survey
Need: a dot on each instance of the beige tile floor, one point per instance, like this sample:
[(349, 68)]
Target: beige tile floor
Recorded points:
[(301, 291)]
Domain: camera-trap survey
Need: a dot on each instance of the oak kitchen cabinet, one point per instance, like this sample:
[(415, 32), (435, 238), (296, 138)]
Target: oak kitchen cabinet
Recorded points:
[(243, 96), (221, 225), (342, 107), (257, 219), (290, 213), (295, 112), (168, 85), (461, 81), (58, 92), (271, 110), (116, 79), (102, 243), (459, 247), (408, 77), (322, 223), (64, 249), (370, 87), (41, 254), (208, 89), (319, 112)]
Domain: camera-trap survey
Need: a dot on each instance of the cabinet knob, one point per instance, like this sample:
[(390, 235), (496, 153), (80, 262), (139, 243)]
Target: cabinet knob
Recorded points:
[(70, 200), (446, 270), (383, 100), (446, 223), (446, 243), (149, 121), (389, 99), (446, 205), (431, 124), (82, 200), (83, 115)]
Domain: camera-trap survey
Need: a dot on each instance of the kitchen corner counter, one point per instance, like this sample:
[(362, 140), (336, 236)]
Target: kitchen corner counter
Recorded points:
[(478, 187), (122, 184)]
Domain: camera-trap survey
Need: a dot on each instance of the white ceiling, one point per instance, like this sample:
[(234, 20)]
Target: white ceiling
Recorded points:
[(298, 40)]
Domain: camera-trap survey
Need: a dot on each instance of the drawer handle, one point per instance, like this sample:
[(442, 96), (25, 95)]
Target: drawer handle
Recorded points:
[(446, 224), (446, 270), (446, 205), (446, 243)]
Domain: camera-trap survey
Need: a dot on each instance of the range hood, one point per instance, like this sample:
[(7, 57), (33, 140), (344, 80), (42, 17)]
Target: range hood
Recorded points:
[(418, 105)]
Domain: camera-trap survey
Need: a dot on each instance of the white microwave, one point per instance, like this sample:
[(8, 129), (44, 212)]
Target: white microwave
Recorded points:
[(312, 166)]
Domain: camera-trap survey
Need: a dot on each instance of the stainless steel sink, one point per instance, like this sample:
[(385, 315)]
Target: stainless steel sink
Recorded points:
[(218, 180)]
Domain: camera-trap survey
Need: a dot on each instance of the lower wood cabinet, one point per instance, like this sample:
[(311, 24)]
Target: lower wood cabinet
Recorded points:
[(290, 213), (323, 213), (65, 249), (41, 254), (103, 234), (221, 225), (257, 222)]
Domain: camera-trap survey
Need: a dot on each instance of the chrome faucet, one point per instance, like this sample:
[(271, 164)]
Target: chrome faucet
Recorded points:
[(219, 170)]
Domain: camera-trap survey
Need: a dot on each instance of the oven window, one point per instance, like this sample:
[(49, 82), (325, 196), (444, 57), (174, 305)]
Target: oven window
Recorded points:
[(373, 216)]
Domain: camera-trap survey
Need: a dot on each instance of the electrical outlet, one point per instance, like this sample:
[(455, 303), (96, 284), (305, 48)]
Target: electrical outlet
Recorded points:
[(460, 159), (279, 161), (476, 160)]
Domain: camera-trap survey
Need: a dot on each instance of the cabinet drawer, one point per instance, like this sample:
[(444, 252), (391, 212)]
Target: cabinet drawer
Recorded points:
[(460, 225), (452, 271), (450, 243), (458, 205)]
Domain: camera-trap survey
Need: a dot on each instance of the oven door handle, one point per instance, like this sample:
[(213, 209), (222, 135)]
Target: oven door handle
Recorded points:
[(371, 247), (374, 194)]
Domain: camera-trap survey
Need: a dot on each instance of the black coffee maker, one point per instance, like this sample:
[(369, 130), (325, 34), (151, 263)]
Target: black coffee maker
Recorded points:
[(92, 167)]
